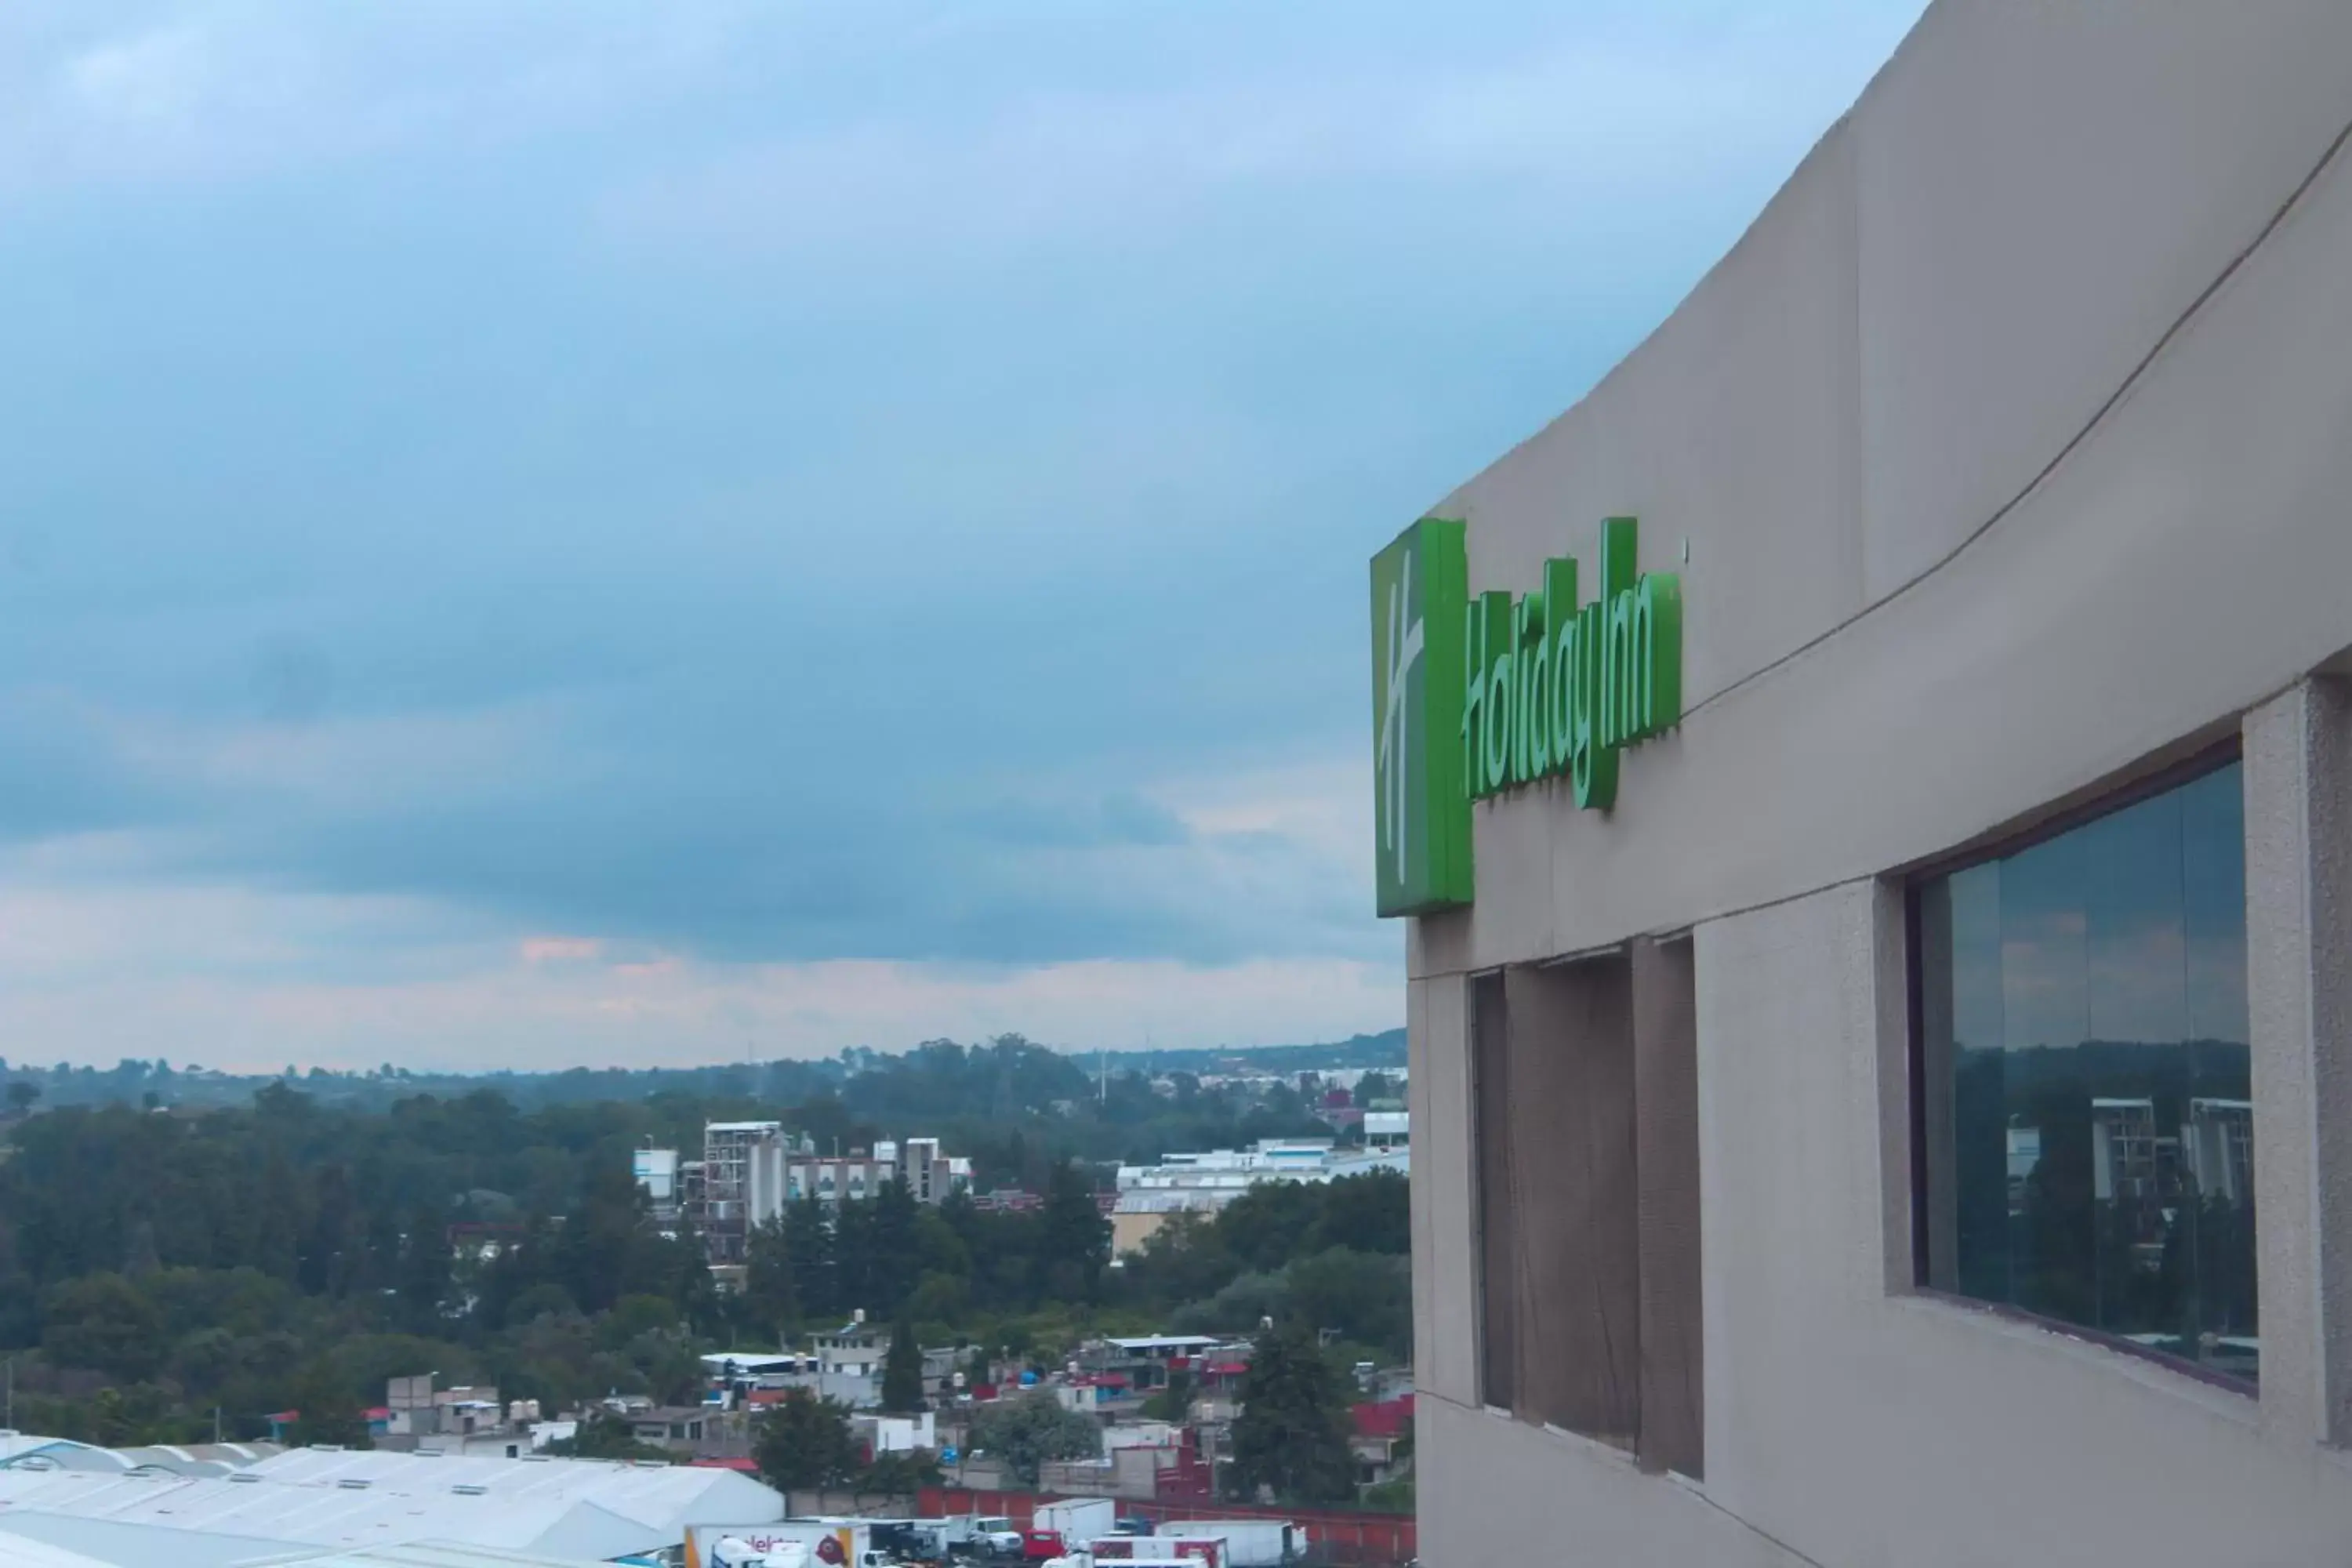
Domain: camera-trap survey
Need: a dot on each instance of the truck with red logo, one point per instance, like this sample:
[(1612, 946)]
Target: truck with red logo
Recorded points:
[(792, 1543)]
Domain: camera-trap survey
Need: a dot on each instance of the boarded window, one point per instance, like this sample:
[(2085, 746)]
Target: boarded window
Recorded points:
[(1666, 1108), (1588, 1178), (1497, 1224)]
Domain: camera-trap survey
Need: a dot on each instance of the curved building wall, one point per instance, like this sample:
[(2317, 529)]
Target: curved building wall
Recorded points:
[(2009, 451)]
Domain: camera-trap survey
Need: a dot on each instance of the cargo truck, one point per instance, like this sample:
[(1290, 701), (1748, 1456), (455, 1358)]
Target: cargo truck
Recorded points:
[(1249, 1542), (824, 1543), (1201, 1550)]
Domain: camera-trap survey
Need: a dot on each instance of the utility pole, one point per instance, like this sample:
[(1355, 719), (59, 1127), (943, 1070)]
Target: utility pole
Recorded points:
[(217, 1426)]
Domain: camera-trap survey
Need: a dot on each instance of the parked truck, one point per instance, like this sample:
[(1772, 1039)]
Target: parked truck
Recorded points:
[(1249, 1542), (1059, 1527), (735, 1551), (819, 1543), (1077, 1519), (1200, 1550), (993, 1535)]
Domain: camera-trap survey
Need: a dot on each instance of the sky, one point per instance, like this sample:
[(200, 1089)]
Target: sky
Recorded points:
[(595, 532)]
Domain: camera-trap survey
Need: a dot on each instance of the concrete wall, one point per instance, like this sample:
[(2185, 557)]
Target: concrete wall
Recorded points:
[(2010, 447)]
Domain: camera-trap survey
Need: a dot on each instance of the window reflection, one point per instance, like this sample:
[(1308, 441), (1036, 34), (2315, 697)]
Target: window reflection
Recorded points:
[(2090, 1139)]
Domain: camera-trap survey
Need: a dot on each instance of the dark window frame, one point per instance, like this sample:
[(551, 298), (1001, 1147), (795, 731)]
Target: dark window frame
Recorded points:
[(2174, 775)]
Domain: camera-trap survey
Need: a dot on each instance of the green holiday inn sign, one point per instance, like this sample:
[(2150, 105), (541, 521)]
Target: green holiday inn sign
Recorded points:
[(1475, 695)]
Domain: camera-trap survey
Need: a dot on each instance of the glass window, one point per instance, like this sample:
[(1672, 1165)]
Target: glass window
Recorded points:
[(2083, 1093)]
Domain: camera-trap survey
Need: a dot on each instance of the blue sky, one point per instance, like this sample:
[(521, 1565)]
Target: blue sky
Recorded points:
[(575, 532)]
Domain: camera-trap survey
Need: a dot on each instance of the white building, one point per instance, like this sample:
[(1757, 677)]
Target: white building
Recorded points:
[(310, 1501), (656, 1171), (1206, 1182), (931, 1175)]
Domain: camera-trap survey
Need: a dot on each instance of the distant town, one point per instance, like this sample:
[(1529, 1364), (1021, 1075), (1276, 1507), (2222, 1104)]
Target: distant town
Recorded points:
[(980, 1302)]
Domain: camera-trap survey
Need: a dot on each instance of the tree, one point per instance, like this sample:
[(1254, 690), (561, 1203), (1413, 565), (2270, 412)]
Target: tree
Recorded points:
[(1291, 1437), (22, 1093), (1034, 1429), (1370, 1213), (605, 1435), (1267, 1225), (804, 1441), (1175, 1401), (898, 1474), (1075, 1243), (895, 1240), (105, 1322), (808, 1253), (853, 1257), (425, 1265), (327, 1412), (902, 1372), (1366, 1296), (768, 1293)]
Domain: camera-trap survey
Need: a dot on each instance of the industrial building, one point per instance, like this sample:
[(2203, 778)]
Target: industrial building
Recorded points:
[(308, 1503), (1149, 1196)]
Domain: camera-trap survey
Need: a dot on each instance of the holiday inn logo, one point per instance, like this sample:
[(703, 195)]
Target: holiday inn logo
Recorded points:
[(1421, 600), (1472, 698)]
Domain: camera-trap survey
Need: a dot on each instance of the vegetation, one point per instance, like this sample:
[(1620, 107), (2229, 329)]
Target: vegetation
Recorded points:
[(606, 1436), (165, 1268), (1291, 1441), (902, 1372), (1029, 1430), (804, 1441)]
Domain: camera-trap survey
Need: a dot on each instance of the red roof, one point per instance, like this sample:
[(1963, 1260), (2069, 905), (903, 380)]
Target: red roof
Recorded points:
[(747, 1466), (1388, 1418), (1227, 1368), (766, 1397)]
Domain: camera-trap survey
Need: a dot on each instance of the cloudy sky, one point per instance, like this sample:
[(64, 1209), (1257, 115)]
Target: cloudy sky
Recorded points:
[(534, 534)]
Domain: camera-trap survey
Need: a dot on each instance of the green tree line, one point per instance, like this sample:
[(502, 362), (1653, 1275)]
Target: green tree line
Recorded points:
[(160, 1266)]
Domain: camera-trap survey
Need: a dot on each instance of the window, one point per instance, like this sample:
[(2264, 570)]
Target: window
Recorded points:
[(2081, 1077), (1586, 1105)]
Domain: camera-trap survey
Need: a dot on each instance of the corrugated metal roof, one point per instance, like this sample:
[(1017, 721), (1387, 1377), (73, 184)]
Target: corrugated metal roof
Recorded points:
[(318, 1500), (423, 1554), (668, 1497), (137, 1520), (16, 1552)]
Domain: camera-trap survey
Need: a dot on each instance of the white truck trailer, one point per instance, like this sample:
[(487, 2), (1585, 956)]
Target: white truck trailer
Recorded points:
[(1249, 1542), (1077, 1520)]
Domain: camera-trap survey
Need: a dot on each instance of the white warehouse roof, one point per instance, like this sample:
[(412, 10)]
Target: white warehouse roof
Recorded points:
[(325, 1500), (16, 1551), (665, 1498)]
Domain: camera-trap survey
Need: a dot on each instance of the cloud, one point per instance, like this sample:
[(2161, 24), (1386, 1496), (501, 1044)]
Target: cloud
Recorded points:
[(239, 979), (560, 949), (1068, 163), (855, 510)]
